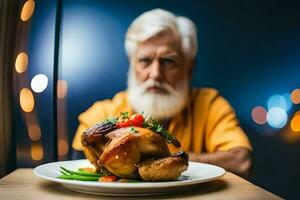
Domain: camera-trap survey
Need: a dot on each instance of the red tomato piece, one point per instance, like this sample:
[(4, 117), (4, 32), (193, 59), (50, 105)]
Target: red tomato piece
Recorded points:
[(119, 125), (126, 123), (137, 120)]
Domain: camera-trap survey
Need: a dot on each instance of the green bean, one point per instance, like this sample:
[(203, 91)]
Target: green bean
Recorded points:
[(82, 173), (64, 173), (67, 170), (78, 177), (86, 172)]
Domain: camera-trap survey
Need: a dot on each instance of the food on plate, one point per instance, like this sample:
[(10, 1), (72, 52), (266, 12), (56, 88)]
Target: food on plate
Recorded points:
[(164, 168), (81, 175), (133, 148)]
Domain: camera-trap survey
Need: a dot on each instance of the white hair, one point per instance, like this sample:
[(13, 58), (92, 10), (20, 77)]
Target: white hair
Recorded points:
[(156, 21)]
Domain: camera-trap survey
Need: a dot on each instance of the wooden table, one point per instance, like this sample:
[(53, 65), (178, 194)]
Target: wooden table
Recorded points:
[(23, 184)]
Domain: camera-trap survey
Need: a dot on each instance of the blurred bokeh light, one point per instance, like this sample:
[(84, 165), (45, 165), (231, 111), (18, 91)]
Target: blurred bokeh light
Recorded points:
[(259, 114), (34, 132), (295, 96), (21, 62), (63, 147), (37, 152), (39, 83), (62, 89), (26, 100), (277, 117), (27, 10), (281, 101), (295, 123)]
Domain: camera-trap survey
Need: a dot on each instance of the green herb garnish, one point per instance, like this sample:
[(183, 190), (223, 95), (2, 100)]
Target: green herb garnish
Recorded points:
[(132, 129), (111, 120), (158, 128), (124, 115)]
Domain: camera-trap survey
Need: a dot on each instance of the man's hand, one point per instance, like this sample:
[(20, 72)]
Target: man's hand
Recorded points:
[(236, 160)]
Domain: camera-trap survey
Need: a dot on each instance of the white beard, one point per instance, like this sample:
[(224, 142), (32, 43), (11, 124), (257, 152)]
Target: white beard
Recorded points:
[(158, 106)]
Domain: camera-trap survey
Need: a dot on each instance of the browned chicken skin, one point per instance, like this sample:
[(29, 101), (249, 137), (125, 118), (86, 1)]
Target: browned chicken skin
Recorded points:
[(133, 152), (164, 169)]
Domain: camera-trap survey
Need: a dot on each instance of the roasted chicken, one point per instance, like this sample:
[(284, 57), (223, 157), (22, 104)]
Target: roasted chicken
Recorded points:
[(132, 153)]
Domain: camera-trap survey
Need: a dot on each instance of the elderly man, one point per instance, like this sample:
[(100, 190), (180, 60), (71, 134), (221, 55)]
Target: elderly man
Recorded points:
[(161, 48)]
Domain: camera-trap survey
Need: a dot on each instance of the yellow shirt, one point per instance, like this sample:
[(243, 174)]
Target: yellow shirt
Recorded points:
[(207, 124)]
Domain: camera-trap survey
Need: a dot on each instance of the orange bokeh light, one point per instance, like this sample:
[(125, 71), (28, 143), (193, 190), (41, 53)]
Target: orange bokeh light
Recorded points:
[(295, 123), (27, 10), (21, 62), (34, 132), (62, 89), (26, 100), (295, 96), (63, 147), (259, 114), (37, 152)]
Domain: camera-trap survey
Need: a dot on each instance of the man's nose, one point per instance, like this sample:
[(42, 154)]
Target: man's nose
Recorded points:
[(155, 71)]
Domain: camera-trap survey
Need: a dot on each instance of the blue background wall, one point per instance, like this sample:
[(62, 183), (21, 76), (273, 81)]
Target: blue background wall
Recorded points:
[(248, 50)]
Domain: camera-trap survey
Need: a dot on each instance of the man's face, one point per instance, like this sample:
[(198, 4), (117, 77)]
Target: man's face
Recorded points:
[(161, 59), (158, 77)]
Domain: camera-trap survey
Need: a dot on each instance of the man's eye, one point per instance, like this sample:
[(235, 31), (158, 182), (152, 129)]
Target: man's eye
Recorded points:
[(167, 62), (144, 60)]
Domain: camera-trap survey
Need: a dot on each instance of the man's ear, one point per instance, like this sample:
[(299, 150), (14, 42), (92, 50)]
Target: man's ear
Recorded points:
[(191, 67)]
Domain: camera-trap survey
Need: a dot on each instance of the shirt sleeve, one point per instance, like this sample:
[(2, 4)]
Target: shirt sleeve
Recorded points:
[(223, 131)]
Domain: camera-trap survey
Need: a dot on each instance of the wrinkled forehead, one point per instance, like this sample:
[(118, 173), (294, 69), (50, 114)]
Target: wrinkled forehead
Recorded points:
[(162, 44)]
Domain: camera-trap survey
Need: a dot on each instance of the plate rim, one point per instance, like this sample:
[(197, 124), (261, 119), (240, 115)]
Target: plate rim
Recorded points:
[(145, 185)]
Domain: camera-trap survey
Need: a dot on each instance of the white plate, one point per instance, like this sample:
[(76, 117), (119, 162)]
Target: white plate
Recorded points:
[(196, 173)]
